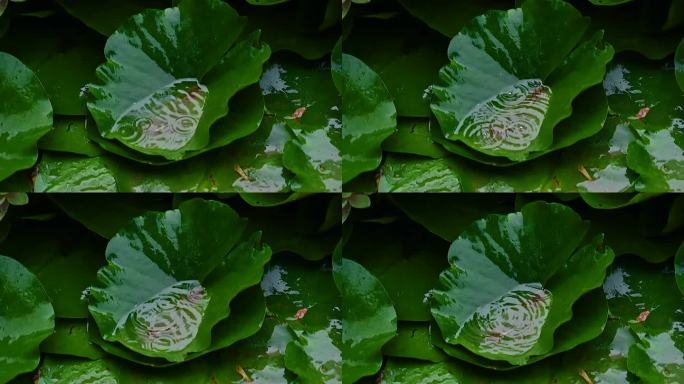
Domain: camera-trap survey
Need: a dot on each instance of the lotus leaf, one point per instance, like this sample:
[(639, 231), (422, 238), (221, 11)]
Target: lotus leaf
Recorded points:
[(169, 277), (369, 319), (170, 74), (368, 116), (513, 78), (644, 297), (25, 115), (26, 316), (532, 274)]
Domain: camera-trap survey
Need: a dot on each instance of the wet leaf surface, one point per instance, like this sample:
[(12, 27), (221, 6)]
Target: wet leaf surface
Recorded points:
[(368, 116), (27, 319), (369, 319), (521, 71), (165, 83), (193, 263), (25, 115)]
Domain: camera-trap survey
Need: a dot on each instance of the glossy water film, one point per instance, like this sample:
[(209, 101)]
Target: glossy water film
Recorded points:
[(511, 325), (510, 121), (169, 321), (166, 120)]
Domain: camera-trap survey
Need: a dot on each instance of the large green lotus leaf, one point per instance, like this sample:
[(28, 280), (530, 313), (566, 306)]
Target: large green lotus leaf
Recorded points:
[(368, 319), (408, 62), (368, 116), (303, 295), (27, 318), (302, 95), (69, 173), (106, 219), (61, 52), (590, 111), (453, 174), (449, 16), (70, 135), (532, 279), (159, 294), (25, 115), (292, 26), (589, 316), (247, 112), (106, 16), (391, 252), (679, 268), (413, 137), (161, 98), (514, 75), (248, 310), (645, 297), (413, 341), (679, 65), (71, 339), (57, 369), (58, 248)]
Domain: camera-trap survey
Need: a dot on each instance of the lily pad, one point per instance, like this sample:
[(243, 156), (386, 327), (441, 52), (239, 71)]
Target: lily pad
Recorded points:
[(27, 319), (535, 273), (644, 296), (161, 98), (198, 265), (646, 94), (514, 75), (56, 369), (302, 96), (369, 319), (368, 116), (68, 173), (303, 296), (245, 320), (25, 115)]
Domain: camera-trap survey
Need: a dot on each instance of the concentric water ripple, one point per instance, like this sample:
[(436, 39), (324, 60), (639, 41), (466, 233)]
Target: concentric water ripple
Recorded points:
[(511, 325), (166, 120), (509, 121), (169, 321)]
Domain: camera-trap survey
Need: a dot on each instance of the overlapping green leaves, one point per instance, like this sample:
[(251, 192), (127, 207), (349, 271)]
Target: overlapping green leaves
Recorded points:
[(176, 105), (532, 296), (181, 295), (538, 69)]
